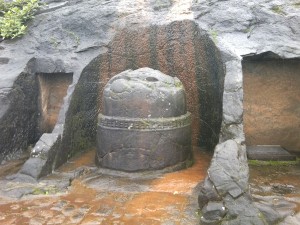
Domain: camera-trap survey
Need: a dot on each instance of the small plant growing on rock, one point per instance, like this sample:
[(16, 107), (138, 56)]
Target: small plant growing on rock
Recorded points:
[(278, 9), (214, 35), (14, 15), (296, 5)]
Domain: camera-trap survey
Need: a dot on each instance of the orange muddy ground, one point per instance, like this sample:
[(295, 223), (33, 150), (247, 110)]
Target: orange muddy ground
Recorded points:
[(105, 198)]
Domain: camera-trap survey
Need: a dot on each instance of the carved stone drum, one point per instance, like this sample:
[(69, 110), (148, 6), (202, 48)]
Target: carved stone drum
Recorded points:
[(144, 124)]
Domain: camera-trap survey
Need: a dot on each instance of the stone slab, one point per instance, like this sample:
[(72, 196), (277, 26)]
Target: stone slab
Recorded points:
[(269, 152)]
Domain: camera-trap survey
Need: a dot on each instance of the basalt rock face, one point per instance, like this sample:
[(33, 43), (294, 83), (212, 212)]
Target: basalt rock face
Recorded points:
[(180, 49), (19, 127), (96, 40), (237, 29), (227, 186)]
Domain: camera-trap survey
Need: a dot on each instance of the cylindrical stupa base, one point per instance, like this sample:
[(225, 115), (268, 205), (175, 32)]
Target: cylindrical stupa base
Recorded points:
[(144, 123), (138, 144)]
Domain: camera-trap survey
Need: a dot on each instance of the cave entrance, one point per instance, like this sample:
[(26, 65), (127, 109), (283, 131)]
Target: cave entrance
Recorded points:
[(272, 102), (52, 89)]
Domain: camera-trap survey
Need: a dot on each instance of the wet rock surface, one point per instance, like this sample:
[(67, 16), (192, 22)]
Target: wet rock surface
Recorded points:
[(227, 187), (68, 35), (144, 93), (57, 35), (276, 191), (273, 196), (79, 193), (80, 127), (146, 110)]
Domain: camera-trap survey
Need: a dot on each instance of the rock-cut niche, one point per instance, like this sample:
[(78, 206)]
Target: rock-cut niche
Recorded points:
[(272, 101), (178, 49), (52, 90)]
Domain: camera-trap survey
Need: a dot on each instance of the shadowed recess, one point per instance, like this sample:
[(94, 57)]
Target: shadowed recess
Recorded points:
[(53, 88), (272, 102)]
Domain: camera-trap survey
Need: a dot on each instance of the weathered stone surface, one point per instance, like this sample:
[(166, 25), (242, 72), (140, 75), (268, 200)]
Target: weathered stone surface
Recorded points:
[(144, 93), (80, 126), (42, 158), (33, 167), (233, 107), (18, 126), (291, 220), (21, 107), (208, 193), (245, 26), (275, 208), (242, 211), (227, 182), (180, 49), (232, 131), (271, 216), (80, 40), (161, 4), (229, 169), (233, 79), (76, 32), (146, 110), (214, 211)]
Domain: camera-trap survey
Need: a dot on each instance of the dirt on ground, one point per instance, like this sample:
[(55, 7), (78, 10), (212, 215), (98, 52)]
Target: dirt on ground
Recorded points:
[(100, 196)]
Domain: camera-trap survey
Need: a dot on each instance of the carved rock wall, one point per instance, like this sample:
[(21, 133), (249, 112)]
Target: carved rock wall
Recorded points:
[(271, 103), (179, 49), (77, 33), (52, 90)]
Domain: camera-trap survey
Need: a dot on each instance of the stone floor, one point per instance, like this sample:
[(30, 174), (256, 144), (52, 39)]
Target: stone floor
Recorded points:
[(104, 197), (277, 184), (79, 193)]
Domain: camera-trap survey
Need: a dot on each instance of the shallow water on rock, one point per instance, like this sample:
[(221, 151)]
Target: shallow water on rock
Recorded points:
[(278, 186), (99, 196), (80, 193)]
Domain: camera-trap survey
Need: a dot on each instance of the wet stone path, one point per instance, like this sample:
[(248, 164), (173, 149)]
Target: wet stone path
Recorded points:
[(277, 185), (79, 193)]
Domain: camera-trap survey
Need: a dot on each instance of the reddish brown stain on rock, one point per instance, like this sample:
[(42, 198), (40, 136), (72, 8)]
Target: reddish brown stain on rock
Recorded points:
[(53, 89), (87, 203), (178, 49), (272, 103)]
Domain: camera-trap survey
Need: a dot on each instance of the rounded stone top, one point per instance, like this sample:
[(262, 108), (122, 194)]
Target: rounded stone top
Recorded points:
[(144, 93)]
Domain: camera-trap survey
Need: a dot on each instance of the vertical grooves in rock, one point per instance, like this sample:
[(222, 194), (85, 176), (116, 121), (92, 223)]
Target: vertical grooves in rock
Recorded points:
[(170, 49), (178, 49), (152, 45)]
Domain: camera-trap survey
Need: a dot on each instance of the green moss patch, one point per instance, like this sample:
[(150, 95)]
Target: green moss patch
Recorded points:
[(273, 163)]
